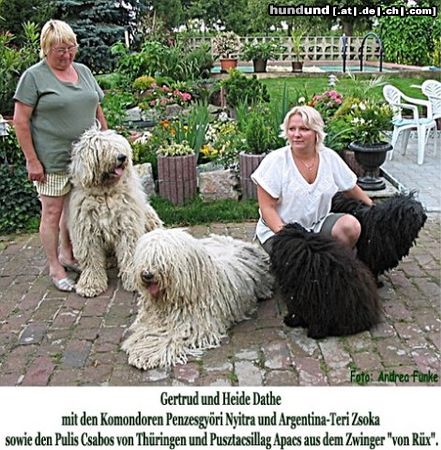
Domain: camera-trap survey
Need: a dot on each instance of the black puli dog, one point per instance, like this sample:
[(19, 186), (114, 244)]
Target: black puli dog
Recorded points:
[(388, 229), (326, 289)]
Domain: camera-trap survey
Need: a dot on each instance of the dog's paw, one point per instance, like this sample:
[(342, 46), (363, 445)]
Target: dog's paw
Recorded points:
[(128, 282), (294, 321), (316, 332), (88, 286)]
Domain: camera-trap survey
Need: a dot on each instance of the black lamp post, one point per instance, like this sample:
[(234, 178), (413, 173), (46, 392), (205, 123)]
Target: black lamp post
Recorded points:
[(343, 50)]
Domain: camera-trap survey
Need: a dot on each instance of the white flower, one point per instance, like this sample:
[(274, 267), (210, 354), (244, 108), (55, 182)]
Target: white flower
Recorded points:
[(302, 100), (143, 138), (362, 106), (223, 117)]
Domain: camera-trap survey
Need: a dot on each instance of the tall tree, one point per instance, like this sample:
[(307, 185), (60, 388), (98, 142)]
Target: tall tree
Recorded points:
[(98, 24)]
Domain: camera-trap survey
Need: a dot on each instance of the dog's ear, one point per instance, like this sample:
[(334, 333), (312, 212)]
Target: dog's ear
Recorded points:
[(81, 169)]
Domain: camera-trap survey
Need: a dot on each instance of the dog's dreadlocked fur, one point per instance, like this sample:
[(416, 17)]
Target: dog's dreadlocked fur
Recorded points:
[(326, 289), (191, 292), (108, 209), (388, 229)]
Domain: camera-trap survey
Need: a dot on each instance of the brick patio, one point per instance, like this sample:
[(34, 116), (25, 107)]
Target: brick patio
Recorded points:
[(47, 338)]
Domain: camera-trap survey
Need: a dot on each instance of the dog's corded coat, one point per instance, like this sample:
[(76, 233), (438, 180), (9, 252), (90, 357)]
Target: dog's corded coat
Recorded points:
[(191, 292), (388, 229), (326, 289), (108, 209)]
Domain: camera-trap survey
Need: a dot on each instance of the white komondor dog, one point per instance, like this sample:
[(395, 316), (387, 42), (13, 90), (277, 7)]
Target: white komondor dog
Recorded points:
[(108, 209), (192, 291)]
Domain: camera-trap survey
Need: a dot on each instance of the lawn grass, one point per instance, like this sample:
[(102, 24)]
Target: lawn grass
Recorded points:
[(308, 86), (199, 212)]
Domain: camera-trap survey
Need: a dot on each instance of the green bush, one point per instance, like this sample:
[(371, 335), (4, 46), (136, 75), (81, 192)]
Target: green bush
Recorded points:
[(258, 133), (240, 88), (407, 40), (13, 62), (155, 59), (20, 208), (115, 104)]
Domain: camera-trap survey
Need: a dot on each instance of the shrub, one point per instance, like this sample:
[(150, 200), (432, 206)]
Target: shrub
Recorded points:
[(20, 207), (176, 62), (143, 82), (407, 40), (145, 152), (259, 133), (240, 88), (115, 104), (13, 62)]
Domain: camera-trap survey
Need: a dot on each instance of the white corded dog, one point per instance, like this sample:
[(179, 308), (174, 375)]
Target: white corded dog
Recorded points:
[(191, 292), (108, 209)]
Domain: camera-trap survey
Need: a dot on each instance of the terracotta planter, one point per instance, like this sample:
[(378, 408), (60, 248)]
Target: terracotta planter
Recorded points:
[(297, 66), (259, 65), (177, 178), (227, 64), (248, 164), (370, 157)]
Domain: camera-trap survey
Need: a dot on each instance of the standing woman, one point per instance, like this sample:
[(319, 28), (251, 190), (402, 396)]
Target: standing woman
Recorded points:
[(296, 183), (56, 100)]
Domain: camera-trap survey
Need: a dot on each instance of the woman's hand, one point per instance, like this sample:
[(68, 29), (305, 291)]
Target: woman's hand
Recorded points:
[(22, 117), (35, 170), (358, 194)]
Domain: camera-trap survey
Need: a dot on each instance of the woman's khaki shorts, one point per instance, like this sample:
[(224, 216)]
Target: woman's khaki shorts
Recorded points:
[(325, 230), (56, 185)]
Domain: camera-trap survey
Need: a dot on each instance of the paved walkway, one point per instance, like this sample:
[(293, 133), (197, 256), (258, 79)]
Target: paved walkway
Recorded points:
[(425, 178), (47, 338)]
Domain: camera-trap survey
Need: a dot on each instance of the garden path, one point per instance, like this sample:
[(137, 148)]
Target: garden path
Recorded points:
[(425, 179)]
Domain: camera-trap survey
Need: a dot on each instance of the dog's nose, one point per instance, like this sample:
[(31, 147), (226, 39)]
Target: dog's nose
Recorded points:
[(121, 158), (146, 276)]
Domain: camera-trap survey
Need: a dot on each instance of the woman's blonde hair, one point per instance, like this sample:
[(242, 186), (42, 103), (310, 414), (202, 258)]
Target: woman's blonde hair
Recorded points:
[(311, 118), (55, 32)]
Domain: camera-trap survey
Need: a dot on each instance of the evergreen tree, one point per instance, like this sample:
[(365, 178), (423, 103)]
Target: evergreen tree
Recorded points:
[(98, 25)]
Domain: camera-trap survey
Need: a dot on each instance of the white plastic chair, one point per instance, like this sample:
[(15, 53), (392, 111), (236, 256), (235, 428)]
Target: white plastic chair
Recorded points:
[(432, 90), (422, 125)]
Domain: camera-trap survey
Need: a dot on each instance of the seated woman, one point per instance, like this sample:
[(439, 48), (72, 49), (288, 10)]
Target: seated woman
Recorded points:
[(296, 183)]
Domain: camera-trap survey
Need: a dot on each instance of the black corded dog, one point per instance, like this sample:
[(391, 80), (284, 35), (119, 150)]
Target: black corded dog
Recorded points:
[(326, 288), (388, 229)]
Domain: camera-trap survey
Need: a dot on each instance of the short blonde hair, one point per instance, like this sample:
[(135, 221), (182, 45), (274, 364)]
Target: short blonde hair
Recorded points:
[(312, 119), (55, 32)]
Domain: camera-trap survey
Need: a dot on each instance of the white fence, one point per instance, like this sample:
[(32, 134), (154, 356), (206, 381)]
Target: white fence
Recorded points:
[(315, 48)]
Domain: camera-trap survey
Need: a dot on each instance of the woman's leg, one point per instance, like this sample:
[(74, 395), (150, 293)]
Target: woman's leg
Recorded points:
[(346, 230), (66, 254), (51, 211)]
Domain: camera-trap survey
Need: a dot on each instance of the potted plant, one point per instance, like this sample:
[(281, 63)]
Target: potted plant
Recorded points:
[(259, 139), (368, 121), (260, 53), (177, 178), (297, 35), (226, 46)]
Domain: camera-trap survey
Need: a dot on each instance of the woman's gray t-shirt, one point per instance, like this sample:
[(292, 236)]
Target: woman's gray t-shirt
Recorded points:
[(62, 111)]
